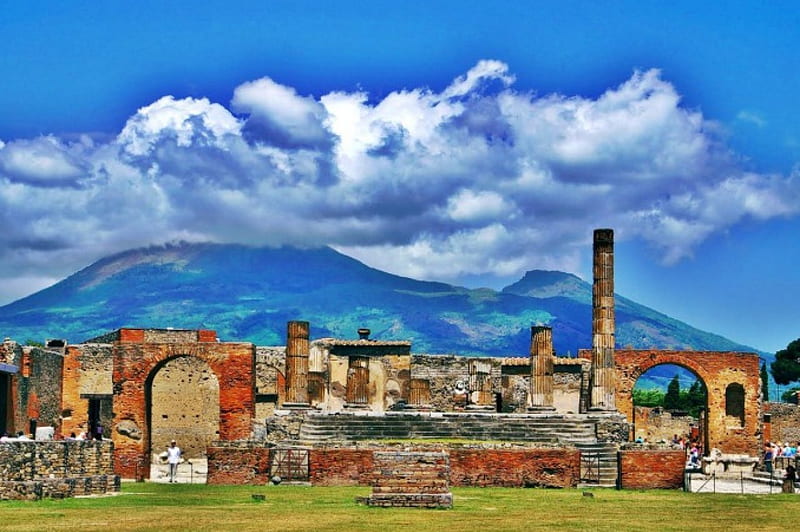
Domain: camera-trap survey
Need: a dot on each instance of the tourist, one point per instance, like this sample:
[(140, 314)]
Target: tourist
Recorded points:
[(5, 437), (789, 479), (173, 458), (21, 436), (768, 455)]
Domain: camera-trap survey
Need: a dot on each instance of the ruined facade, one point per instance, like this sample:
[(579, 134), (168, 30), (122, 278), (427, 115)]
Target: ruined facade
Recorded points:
[(143, 387)]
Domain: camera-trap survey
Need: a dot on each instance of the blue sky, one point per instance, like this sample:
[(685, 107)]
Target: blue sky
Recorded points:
[(457, 141)]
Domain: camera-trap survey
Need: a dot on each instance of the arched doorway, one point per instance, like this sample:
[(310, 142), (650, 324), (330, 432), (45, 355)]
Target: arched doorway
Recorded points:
[(731, 419), (182, 396), (669, 403)]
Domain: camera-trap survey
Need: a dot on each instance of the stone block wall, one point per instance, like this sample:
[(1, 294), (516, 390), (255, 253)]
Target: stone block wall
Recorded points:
[(651, 468), (35, 469), (785, 420), (656, 424), (38, 389)]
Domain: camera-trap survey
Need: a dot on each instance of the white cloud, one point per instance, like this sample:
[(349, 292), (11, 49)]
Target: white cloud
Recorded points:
[(477, 179)]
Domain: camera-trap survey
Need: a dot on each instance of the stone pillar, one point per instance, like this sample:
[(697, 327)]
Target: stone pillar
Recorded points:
[(541, 368), (603, 372), (297, 353)]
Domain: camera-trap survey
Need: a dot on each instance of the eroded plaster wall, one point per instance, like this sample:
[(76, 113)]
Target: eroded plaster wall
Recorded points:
[(185, 406)]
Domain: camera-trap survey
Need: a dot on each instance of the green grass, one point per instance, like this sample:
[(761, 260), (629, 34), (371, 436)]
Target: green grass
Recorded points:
[(288, 508)]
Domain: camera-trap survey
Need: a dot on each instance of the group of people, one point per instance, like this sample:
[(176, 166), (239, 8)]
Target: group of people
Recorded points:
[(773, 452), (21, 436)]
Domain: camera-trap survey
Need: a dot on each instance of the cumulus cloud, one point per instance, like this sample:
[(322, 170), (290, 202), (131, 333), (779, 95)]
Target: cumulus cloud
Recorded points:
[(480, 178)]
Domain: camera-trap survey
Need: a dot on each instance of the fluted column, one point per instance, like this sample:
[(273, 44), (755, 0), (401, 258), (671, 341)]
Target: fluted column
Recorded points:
[(541, 368), (603, 373), (297, 353)]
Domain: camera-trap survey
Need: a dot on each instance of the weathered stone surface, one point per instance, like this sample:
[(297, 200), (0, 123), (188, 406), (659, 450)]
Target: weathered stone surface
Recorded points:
[(652, 469), (33, 470), (785, 421)]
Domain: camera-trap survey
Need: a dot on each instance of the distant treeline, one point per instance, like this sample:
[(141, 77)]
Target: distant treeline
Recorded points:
[(690, 401)]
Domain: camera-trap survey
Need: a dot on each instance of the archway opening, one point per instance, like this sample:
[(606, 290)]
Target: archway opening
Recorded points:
[(183, 405), (670, 405)]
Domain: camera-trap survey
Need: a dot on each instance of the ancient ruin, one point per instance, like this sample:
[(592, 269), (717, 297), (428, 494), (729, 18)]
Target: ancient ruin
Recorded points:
[(317, 410)]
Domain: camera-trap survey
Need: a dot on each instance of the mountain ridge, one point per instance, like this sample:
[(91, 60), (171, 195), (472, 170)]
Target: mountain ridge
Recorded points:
[(249, 293)]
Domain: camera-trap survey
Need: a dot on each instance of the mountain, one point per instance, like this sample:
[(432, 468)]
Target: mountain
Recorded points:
[(248, 294)]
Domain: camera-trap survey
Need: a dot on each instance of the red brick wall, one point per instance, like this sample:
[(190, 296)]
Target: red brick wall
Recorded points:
[(231, 465), (515, 467), (652, 469), (134, 365), (340, 467), (131, 335), (717, 370), (354, 467)]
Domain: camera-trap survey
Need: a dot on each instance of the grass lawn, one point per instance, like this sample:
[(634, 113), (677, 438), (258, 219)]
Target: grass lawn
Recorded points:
[(287, 508)]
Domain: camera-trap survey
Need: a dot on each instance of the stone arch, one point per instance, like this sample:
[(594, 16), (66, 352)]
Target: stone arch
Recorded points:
[(182, 402), (641, 419), (136, 360), (717, 370)]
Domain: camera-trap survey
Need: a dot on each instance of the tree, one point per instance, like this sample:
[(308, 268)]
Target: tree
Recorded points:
[(696, 398), (672, 401), (764, 382), (790, 395), (786, 367)]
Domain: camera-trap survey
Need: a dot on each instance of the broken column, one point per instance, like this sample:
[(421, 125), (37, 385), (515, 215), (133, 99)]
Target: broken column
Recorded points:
[(297, 353), (541, 368), (602, 377)]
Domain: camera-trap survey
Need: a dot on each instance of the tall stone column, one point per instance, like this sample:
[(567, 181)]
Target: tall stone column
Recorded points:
[(603, 373), (541, 368), (297, 353)]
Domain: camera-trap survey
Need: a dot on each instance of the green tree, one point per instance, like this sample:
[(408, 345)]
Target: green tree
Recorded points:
[(786, 367), (648, 397), (696, 398), (764, 382), (672, 400), (790, 395)]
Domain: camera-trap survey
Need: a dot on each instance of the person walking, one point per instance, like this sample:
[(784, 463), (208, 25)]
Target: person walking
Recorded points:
[(173, 458)]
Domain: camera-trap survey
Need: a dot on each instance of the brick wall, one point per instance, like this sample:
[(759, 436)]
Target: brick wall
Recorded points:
[(557, 467), (651, 468), (717, 370), (341, 467), (245, 464), (552, 468)]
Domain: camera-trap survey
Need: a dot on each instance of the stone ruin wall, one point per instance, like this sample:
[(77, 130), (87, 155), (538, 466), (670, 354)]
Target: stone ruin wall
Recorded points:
[(785, 421), (444, 372), (34, 470), (38, 389), (87, 372), (657, 425), (270, 371)]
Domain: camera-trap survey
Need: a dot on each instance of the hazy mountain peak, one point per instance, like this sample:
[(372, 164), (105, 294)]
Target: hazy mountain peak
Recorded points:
[(549, 283)]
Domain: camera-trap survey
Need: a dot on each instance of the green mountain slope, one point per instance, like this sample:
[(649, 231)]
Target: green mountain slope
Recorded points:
[(249, 294)]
